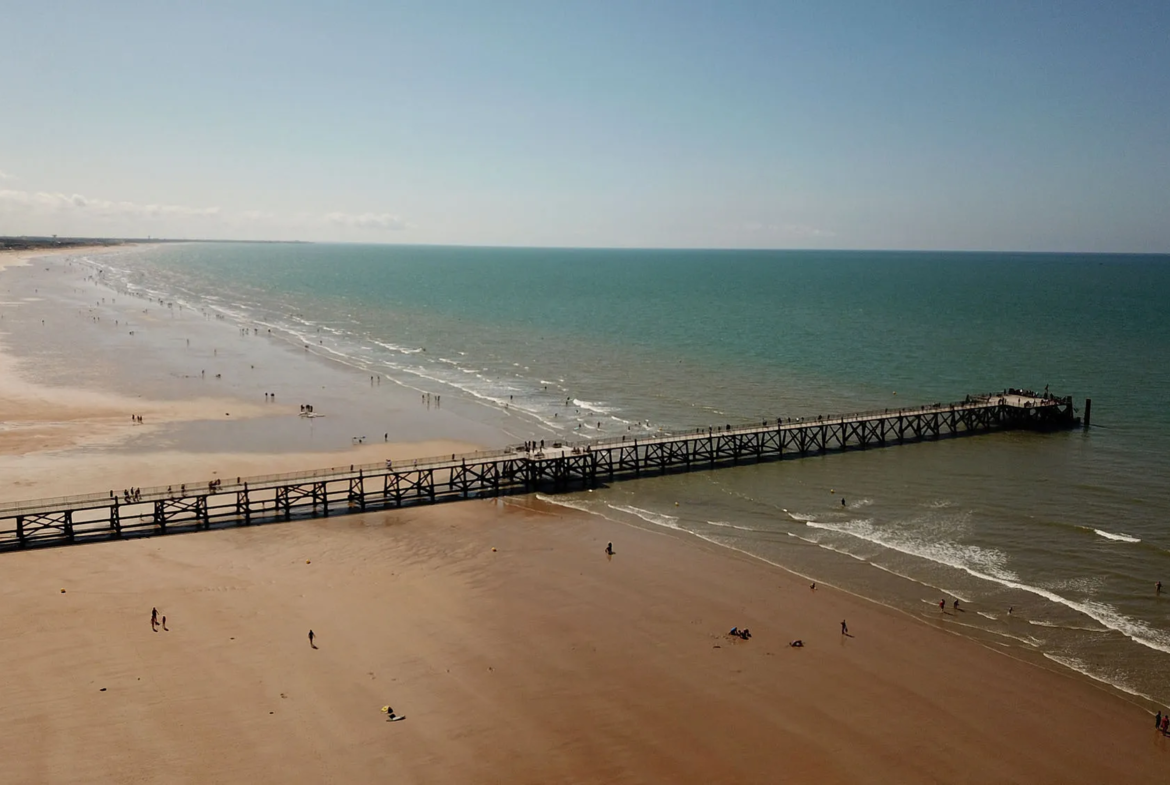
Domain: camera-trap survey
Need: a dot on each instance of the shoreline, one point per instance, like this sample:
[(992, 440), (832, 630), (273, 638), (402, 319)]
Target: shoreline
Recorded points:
[(989, 639), (67, 394), (187, 437), (517, 651)]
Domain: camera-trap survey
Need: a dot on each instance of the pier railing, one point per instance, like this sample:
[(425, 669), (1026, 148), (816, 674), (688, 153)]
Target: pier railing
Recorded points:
[(552, 466)]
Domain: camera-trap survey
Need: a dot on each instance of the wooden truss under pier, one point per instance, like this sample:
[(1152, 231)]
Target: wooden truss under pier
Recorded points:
[(558, 468)]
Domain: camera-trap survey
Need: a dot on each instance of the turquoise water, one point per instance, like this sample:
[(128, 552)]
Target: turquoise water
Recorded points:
[(1066, 529)]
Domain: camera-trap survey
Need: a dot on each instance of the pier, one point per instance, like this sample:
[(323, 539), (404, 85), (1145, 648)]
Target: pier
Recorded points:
[(556, 467)]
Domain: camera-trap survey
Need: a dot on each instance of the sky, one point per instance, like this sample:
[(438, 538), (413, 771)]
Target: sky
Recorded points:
[(929, 124)]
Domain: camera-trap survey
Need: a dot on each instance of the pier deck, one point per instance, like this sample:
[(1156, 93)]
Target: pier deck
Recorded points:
[(556, 468)]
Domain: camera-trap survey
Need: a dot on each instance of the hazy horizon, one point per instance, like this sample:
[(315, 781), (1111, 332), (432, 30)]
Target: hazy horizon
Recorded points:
[(697, 249), (845, 126)]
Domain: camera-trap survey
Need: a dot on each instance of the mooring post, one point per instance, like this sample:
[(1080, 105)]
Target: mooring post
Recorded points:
[(1088, 412)]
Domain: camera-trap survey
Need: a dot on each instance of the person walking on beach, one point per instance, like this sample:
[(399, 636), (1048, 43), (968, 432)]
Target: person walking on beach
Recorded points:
[(311, 637), (1158, 719), (955, 605), (844, 628), (609, 549), (154, 619), (1158, 587)]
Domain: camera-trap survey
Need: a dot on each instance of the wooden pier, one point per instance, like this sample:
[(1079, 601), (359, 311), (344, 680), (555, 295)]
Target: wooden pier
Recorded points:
[(555, 468)]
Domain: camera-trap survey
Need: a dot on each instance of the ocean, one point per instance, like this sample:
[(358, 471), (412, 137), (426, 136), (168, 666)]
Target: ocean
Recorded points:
[(1066, 530)]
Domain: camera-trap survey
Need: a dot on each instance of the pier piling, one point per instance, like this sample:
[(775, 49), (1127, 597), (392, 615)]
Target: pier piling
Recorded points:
[(512, 470)]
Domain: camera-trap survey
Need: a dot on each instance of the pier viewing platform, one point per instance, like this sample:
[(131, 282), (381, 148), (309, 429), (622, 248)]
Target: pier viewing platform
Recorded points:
[(551, 467)]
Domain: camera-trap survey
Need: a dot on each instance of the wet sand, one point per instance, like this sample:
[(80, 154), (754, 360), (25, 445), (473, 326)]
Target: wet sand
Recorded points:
[(541, 661), (77, 360)]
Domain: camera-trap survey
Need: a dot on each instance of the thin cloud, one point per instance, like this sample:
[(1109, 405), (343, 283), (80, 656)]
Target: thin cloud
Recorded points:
[(56, 208), (802, 230), (788, 230), (368, 221), (6, 176), (45, 201)]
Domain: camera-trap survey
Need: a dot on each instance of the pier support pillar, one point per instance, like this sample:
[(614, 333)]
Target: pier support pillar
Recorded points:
[(1088, 412)]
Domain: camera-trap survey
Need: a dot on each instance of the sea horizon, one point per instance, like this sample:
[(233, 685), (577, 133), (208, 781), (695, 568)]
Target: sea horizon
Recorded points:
[(555, 247)]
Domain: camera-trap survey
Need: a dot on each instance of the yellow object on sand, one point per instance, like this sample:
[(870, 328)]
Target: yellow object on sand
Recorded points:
[(308, 562), (62, 591), (385, 709), (493, 550)]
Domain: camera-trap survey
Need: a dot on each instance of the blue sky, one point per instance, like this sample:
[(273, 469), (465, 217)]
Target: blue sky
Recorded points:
[(988, 125)]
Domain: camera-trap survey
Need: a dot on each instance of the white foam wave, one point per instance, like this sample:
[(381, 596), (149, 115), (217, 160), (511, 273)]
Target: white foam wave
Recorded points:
[(727, 525), (1074, 664), (579, 506), (985, 568), (828, 547), (962, 557), (656, 518), (799, 516), (1055, 626), (593, 406), (400, 349), (1118, 537)]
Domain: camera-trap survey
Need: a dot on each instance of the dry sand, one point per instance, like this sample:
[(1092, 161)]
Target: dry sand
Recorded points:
[(543, 661)]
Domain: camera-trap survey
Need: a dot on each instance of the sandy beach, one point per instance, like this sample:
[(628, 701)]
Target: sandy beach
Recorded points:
[(540, 661), (77, 362), (516, 650)]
